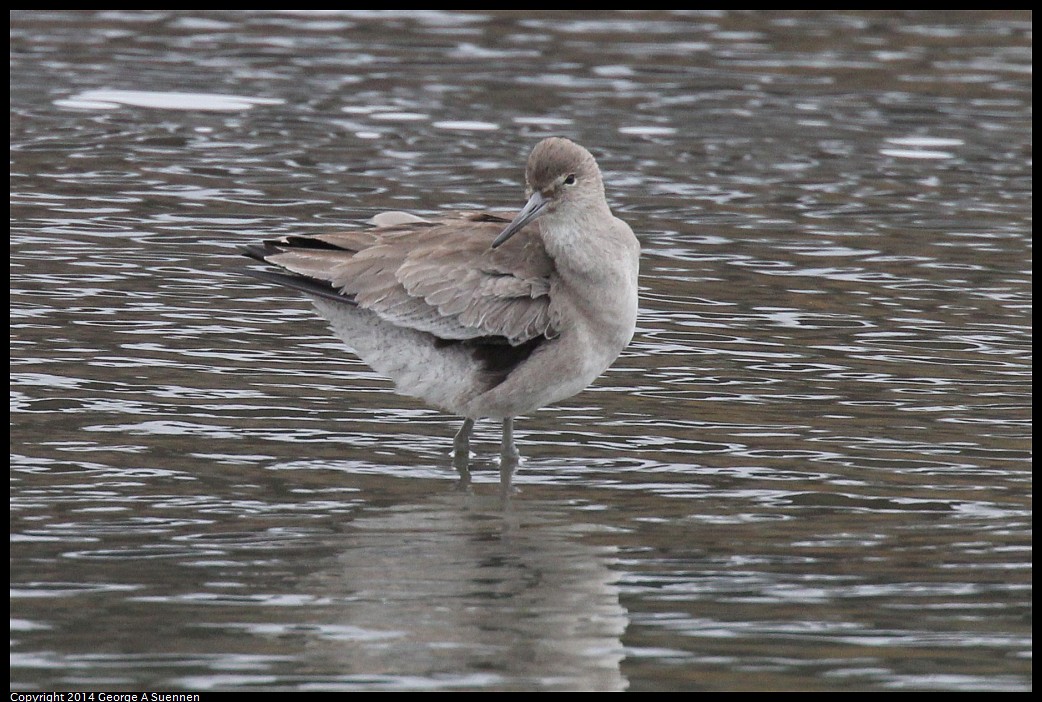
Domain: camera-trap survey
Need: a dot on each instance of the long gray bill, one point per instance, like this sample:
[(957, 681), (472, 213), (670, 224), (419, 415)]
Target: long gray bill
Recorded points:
[(535, 207)]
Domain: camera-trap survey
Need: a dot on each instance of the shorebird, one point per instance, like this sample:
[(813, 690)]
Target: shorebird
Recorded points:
[(480, 314)]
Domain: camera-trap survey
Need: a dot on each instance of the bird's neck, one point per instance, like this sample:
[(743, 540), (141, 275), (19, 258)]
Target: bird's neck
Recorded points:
[(576, 238)]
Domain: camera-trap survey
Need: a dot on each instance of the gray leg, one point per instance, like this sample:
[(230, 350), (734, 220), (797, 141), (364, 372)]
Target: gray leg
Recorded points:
[(509, 450), (509, 455), (461, 450), (461, 444)]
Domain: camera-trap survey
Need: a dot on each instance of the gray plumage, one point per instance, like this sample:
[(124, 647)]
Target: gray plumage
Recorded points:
[(476, 313)]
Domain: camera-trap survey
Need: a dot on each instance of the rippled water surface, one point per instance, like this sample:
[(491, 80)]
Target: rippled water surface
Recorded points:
[(810, 470)]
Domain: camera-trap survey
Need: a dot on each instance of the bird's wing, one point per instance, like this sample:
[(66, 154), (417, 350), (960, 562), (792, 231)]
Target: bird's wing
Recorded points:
[(440, 276)]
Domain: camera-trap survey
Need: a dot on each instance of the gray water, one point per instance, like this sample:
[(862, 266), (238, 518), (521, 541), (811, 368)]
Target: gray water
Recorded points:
[(810, 470)]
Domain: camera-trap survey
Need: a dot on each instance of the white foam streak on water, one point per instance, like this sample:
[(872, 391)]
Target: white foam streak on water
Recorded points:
[(158, 100)]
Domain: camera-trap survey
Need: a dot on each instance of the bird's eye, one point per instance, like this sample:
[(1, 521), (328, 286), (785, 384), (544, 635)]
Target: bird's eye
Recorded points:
[(570, 180)]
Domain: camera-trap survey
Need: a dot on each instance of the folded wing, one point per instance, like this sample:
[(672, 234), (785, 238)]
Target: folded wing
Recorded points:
[(439, 277)]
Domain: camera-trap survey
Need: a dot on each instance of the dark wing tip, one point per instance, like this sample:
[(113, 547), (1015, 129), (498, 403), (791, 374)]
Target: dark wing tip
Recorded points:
[(258, 252), (310, 286)]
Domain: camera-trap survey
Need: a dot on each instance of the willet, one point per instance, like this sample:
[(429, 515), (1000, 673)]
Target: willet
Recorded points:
[(482, 315)]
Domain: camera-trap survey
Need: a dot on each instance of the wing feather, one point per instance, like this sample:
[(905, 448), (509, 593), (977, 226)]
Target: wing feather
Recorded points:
[(440, 277)]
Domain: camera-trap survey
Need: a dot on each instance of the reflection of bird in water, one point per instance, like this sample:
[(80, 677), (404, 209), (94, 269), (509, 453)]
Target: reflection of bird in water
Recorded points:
[(451, 593)]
